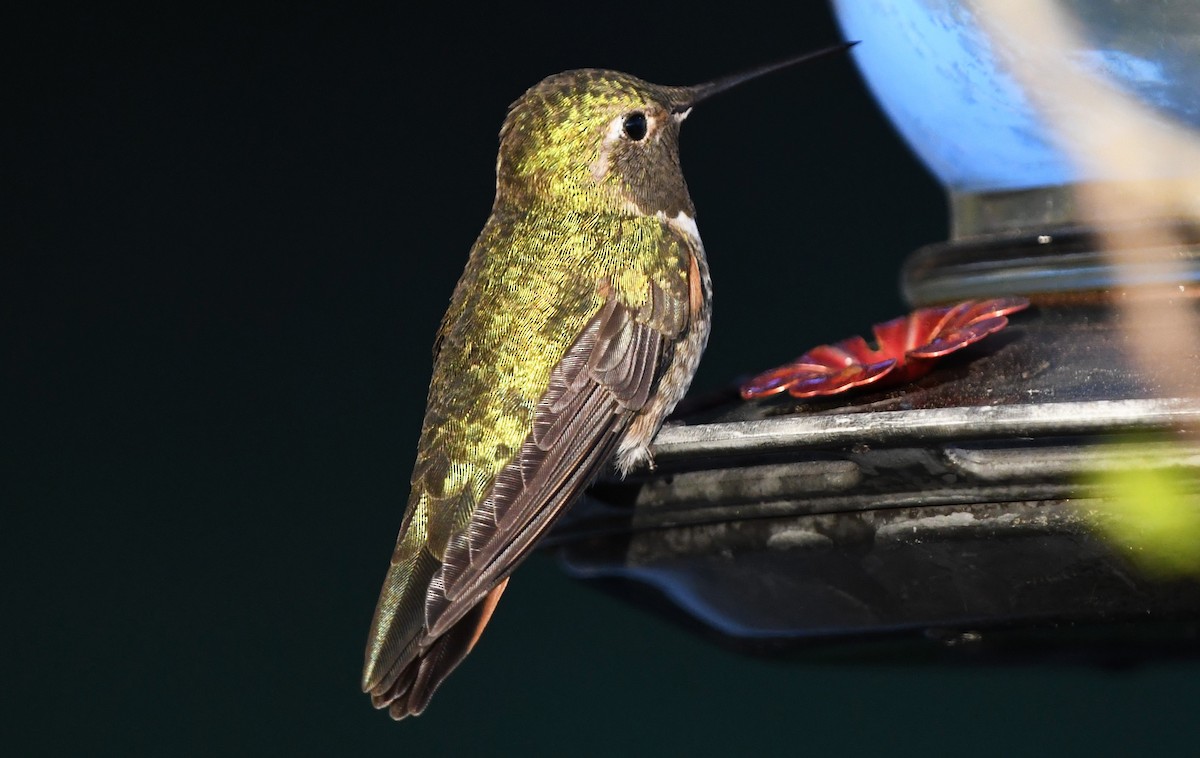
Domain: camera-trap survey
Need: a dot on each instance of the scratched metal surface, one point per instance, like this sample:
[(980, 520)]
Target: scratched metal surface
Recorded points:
[(954, 510)]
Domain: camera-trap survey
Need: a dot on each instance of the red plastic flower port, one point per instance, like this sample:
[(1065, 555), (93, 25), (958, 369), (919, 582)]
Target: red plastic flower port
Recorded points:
[(907, 348)]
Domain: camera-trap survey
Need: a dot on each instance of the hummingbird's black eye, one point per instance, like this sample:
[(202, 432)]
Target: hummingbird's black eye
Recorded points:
[(635, 126)]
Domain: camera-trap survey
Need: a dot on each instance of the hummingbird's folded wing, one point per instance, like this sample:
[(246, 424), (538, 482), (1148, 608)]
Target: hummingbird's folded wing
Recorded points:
[(595, 391)]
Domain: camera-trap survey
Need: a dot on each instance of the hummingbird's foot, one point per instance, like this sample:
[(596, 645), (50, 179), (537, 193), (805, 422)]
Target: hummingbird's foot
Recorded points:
[(906, 348)]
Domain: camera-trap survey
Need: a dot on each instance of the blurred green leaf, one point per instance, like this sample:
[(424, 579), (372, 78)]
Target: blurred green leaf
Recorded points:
[(1149, 508)]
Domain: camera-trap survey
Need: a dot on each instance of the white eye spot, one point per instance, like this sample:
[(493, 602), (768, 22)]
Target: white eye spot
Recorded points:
[(611, 135), (681, 115), (614, 129)]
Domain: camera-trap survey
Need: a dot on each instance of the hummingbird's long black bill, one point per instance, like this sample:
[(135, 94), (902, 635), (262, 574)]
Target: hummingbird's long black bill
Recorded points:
[(696, 93)]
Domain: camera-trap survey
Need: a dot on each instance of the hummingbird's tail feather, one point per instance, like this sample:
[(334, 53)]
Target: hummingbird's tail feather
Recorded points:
[(398, 623), (409, 691)]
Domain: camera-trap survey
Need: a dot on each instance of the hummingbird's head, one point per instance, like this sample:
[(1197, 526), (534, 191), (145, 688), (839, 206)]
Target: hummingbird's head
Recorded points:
[(592, 140), (597, 141)]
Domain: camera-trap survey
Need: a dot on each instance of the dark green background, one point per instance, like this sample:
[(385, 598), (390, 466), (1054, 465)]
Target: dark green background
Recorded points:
[(229, 236)]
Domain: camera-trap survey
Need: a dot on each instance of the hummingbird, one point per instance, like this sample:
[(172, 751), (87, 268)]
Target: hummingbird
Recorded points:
[(575, 329)]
